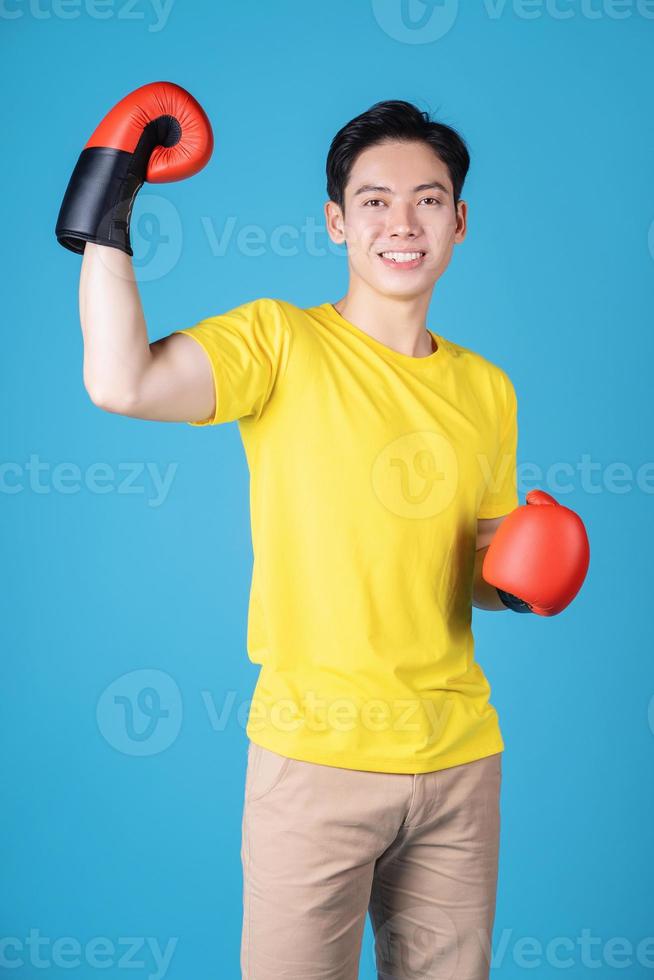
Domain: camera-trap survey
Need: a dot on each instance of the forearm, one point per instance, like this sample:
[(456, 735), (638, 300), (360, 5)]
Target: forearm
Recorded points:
[(116, 347), (484, 596)]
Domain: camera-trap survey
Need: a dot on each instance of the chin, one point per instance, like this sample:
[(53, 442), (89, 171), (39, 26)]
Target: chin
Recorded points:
[(391, 287)]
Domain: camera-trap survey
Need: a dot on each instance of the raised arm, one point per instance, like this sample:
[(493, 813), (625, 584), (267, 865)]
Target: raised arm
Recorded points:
[(169, 380), (157, 133)]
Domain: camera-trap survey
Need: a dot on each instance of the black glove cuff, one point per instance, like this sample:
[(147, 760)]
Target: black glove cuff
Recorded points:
[(98, 201), (512, 602), (97, 205)]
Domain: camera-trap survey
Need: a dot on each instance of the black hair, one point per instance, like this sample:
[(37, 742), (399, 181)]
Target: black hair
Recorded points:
[(389, 121)]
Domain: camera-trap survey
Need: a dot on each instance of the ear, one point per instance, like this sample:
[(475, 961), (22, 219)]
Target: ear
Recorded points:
[(461, 221), (335, 222)]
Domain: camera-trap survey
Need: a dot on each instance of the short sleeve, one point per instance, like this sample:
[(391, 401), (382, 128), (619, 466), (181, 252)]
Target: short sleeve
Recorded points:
[(248, 349), (500, 494)]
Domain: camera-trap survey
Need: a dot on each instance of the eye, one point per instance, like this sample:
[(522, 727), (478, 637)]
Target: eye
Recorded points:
[(376, 200)]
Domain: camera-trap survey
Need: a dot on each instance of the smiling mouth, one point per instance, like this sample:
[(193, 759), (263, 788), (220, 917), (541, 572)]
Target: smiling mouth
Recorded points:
[(408, 260)]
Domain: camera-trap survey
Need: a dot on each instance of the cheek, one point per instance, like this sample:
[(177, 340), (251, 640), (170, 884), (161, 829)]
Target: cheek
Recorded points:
[(362, 233), (440, 231)]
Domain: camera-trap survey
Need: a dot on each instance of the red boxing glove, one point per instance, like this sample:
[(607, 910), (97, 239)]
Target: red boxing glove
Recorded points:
[(538, 557), (157, 133)]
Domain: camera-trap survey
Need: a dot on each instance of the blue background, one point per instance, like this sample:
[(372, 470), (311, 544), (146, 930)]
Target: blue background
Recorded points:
[(112, 833)]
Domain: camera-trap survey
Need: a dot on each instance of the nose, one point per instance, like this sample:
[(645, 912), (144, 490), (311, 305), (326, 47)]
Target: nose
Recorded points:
[(403, 220)]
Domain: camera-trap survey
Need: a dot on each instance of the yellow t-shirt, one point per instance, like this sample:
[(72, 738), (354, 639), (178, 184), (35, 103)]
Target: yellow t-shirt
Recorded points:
[(368, 471)]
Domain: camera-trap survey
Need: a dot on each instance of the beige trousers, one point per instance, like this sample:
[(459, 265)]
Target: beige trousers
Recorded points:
[(323, 846)]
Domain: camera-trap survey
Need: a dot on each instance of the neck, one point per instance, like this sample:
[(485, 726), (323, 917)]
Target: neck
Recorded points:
[(397, 322)]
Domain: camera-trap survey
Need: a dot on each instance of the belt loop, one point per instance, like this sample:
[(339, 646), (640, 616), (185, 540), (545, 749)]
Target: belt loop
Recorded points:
[(414, 779)]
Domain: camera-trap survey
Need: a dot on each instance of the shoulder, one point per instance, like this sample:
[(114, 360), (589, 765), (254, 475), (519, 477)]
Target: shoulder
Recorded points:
[(482, 371), (261, 306), (292, 320), (267, 317), (282, 308), (272, 309)]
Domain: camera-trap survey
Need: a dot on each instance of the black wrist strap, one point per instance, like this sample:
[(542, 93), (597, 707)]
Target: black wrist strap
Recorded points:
[(512, 602)]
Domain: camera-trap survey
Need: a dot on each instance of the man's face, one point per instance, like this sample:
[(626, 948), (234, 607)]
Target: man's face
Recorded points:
[(399, 199)]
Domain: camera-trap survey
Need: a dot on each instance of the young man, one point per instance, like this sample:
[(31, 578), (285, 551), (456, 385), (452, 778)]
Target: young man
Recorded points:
[(382, 459)]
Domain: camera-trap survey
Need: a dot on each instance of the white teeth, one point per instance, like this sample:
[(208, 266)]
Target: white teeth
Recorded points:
[(402, 256)]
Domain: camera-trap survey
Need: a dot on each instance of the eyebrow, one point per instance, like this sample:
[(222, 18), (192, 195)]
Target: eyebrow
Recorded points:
[(368, 188)]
